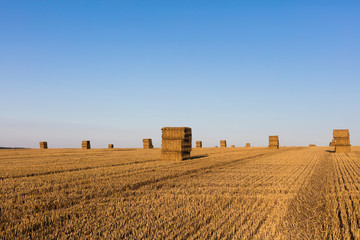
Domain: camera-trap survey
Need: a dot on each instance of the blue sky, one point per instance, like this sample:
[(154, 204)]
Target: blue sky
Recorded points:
[(118, 71)]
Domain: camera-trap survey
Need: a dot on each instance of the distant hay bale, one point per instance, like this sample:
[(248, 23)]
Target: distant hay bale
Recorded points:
[(176, 143), (85, 144), (247, 145), (147, 143), (223, 143), (43, 145), (341, 140), (273, 142), (233, 146), (199, 144), (111, 146), (312, 145)]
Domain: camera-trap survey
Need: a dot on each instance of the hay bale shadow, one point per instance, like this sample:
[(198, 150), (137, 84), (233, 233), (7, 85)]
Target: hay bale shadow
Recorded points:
[(330, 151), (198, 156)]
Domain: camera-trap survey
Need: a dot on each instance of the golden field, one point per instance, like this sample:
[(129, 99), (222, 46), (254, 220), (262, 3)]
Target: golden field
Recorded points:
[(241, 193)]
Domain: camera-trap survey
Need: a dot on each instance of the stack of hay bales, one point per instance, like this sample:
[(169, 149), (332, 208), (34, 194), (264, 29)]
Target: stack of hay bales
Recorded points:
[(274, 142), (43, 145), (342, 140), (247, 145), (85, 144), (147, 143), (223, 143), (332, 143), (111, 146), (176, 143), (199, 144), (312, 145)]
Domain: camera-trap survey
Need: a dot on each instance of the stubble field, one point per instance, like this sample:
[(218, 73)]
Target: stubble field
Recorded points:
[(255, 193)]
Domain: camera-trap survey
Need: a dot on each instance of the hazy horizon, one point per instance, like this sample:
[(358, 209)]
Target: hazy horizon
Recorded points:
[(117, 72)]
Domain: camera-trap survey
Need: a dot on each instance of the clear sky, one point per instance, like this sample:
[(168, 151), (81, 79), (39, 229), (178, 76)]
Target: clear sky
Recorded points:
[(118, 71)]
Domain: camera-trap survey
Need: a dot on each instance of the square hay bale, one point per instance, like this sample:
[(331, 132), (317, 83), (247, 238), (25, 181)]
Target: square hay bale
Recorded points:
[(85, 144), (233, 146), (174, 156), (273, 142), (223, 143), (274, 138), (111, 146), (199, 144), (273, 147), (312, 145), (176, 146), (342, 149), (147, 143), (43, 145), (341, 133), (247, 145), (342, 141), (176, 143), (176, 133)]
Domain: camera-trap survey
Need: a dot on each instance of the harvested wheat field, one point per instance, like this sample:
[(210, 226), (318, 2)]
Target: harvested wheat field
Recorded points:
[(253, 193)]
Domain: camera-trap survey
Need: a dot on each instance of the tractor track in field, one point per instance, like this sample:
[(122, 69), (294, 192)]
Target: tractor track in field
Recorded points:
[(197, 171), (76, 169), (105, 166), (128, 189), (307, 209)]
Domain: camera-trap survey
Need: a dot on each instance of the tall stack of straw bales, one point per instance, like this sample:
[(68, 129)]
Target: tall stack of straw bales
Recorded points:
[(199, 144), (247, 145), (342, 140), (43, 145), (147, 143), (110, 146), (85, 144), (176, 143), (222, 143), (274, 142)]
